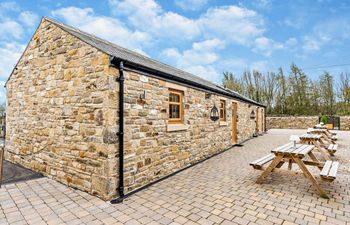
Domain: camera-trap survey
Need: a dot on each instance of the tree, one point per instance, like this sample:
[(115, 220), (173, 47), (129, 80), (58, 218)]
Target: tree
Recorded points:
[(269, 90), (281, 96), (327, 92), (295, 94), (299, 84), (345, 87), (231, 82)]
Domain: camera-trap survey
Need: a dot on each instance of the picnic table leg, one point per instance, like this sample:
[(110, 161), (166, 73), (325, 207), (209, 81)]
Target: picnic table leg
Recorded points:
[(309, 175), (272, 165), (290, 164), (327, 139), (313, 157), (322, 143), (323, 151)]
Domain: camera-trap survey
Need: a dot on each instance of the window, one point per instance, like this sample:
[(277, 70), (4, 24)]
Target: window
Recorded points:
[(222, 110), (175, 106)]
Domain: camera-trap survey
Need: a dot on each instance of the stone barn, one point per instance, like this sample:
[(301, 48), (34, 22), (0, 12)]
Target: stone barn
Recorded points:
[(108, 121)]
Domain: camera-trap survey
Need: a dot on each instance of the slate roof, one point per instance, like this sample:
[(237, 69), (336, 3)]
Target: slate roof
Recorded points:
[(131, 56)]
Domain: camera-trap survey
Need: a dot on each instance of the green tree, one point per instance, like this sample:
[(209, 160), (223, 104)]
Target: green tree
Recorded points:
[(327, 92), (231, 82)]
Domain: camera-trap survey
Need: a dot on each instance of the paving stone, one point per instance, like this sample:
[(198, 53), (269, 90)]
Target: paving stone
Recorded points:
[(213, 192)]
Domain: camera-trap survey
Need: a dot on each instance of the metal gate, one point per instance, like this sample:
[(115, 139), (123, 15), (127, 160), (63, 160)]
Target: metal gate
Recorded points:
[(334, 121)]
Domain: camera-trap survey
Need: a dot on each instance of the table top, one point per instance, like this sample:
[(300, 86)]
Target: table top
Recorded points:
[(311, 136), (318, 131), (289, 149)]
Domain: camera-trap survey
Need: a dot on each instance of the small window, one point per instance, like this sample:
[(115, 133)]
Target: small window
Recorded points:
[(222, 110), (175, 106)]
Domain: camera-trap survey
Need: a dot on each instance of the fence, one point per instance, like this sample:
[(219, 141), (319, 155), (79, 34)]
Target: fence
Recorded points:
[(304, 122)]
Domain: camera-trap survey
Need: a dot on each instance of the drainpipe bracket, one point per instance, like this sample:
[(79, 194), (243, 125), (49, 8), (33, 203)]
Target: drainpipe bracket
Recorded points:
[(117, 200), (120, 133), (119, 79)]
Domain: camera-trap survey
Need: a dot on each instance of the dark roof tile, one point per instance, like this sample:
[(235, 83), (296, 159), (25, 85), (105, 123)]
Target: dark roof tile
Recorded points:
[(134, 57)]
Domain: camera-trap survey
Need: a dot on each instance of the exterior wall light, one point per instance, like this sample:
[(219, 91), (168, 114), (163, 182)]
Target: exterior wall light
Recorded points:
[(214, 113), (143, 95), (252, 115)]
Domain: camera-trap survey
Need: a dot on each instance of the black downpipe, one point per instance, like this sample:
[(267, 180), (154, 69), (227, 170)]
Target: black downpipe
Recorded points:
[(120, 188), (114, 61)]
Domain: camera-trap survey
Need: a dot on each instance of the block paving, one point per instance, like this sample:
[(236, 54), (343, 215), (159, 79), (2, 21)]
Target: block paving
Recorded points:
[(221, 190)]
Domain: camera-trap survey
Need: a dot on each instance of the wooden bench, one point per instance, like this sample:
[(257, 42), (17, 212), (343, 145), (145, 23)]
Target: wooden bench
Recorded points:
[(259, 163), (329, 171), (332, 148)]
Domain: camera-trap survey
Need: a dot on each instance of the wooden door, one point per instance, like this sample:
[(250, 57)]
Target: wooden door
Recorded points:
[(262, 120), (257, 121), (234, 123)]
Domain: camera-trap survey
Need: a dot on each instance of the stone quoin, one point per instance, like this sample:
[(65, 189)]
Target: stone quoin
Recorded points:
[(63, 114)]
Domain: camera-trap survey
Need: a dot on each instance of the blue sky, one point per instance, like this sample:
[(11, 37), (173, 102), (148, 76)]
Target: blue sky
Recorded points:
[(204, 37)]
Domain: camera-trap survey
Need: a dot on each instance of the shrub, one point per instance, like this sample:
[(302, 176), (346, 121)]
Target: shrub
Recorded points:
[(324, 119)]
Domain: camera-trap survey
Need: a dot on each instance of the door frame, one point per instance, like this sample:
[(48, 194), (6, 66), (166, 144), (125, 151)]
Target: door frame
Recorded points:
[(257, 121), (234, 123), (262, 119)]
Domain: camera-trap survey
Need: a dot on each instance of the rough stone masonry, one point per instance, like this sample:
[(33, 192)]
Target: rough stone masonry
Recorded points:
[(62, 118)]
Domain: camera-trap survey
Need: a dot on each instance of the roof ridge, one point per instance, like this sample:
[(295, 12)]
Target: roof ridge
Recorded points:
[(116, 45), (115, 50)]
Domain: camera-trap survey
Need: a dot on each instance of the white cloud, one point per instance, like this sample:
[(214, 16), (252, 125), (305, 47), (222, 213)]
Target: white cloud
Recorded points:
[(311, 44), (107, 28), (28, 18), (2, 92), (9, 54), (261, 66), (236, 24), (207, 72), (198, 60), (235, 65), (266, 46), (10, 29), (192, 5), (8, 6), (330, 32), (233, 23), (291, 42), (201, 53), (148, 16)]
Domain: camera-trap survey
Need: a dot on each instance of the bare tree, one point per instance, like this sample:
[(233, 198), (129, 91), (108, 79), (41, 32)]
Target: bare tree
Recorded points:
[(231, 82)]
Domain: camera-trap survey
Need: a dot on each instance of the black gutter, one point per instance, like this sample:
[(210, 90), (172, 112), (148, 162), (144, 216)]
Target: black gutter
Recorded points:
[(120, 188), (117, 62), (163, 75)]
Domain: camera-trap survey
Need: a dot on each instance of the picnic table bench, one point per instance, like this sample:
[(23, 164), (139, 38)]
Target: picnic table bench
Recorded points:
[(296, 154), (316, 139), (318, 126), (325, 135)]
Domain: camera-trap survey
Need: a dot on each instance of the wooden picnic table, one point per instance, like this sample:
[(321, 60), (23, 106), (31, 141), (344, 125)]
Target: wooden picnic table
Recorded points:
[(323, 127), (316, 140), (296, 154), (324, 133)]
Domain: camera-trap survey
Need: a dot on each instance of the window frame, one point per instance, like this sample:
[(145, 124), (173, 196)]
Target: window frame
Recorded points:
[(180, 103), (223, 108)]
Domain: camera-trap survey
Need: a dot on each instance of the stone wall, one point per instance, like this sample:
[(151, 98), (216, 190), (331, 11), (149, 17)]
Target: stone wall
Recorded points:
[(62, 118), (345, 122), (60, 112), (152, 151), (300, 122)]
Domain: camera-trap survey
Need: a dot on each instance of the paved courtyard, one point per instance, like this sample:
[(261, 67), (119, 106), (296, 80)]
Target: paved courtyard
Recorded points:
[(221, 190)]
